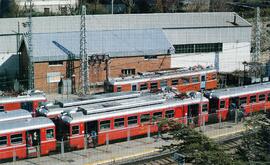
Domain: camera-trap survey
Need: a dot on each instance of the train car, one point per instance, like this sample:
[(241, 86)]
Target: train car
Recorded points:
[(30, 103), (25, 137), (252, 98), (182, 79), (52, 111), (14, 115), (118, 123)]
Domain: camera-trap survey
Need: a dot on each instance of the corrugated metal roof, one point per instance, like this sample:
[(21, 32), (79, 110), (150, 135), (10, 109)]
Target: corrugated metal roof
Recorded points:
[(116, 43)]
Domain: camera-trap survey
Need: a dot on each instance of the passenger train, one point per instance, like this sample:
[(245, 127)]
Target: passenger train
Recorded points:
[(183, 79), (132, 116)]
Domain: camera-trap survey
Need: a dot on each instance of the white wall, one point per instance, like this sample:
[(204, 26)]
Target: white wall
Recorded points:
[(230, 59)]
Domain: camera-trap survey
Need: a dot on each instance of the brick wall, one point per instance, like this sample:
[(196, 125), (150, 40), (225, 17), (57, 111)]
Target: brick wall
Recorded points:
[(97, 72)]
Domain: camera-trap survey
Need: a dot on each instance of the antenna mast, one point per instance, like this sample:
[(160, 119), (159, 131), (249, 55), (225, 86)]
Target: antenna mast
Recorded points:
[(258, 37), (30, 48)]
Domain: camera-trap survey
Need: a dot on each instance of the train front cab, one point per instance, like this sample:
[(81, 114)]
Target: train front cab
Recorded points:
[(29, 143)]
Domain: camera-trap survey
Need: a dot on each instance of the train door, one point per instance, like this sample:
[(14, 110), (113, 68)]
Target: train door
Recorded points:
[(33, 142), (193, 113), (27, 106), (203, 81), (233, 106), (133, 87), (91, 130)]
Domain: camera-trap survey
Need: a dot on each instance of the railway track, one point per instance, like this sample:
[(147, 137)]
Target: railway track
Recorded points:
[(228, 143)]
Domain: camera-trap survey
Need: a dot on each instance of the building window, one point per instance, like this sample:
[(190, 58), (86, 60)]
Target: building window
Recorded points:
[(132, 120), (204, 108), (3, 140), (145, 118), (262, 97), (222, 104), (53, 63), (150, 57), (154, 85), (243, 100), (175, 82), (46, 10), (16, 139), (169, 114), (127, 72), (253, 99), (105, 125), (118, 123), (198, 48), (49, 134), (143, 87), (75, 130)]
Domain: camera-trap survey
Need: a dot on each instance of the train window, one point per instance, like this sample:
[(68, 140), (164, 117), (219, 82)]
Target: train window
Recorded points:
[(222, 104), (169, 114), (163, 83), (157, 115), (16, 139), (119, 89), (143, 87), (119, 123), (1, 108), (185, 80), (175, 82), (105, 125), (253, 99), (204, 108), (195, 79), (145, 118), (214, 76), (154, 85), (75, 130), (243, 100), (268, 96), (132, 120), (3, 140), (49, 134), (262, 97)]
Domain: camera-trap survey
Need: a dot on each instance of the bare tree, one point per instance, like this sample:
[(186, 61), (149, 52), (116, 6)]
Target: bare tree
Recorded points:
[(219, 5), (198, 6), (129, 4)]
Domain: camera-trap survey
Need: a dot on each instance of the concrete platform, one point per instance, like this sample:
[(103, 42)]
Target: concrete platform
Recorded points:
[(113, 153)]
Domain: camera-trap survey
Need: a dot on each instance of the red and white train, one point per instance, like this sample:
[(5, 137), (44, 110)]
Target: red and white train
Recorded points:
[(251, 98), (191, 79), (118, 119), (30, 103), (23, 137)]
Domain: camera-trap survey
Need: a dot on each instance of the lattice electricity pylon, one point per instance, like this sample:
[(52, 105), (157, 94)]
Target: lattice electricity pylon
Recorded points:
[(257, 54), (30, 48), (84, 78)]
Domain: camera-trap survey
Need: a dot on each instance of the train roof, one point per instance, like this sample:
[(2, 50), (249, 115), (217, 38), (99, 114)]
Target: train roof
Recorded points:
[(14, 115), (21, 99), (80, 117), (95, 100), (144, 100), (160, 75), (99, 98), (239, 91), (25, 124)]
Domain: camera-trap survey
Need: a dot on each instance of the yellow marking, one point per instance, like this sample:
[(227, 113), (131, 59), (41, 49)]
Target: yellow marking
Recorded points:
[(124, 157)]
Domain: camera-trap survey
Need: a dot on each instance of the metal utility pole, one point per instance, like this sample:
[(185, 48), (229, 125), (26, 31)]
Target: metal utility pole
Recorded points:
[(30, 48), (112, 6), (84, 78), (257, 54)]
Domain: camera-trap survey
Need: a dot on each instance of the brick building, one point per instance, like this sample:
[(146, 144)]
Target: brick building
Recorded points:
[(130, 51)]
